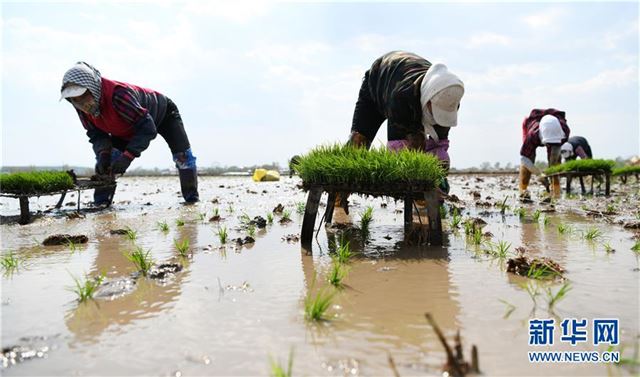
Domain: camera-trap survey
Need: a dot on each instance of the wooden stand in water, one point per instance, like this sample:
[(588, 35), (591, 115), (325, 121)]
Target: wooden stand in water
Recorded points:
[(569, 175), (431, 233), (81, 184)]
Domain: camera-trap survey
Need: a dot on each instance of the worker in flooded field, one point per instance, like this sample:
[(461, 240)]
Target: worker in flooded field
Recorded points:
[(418, 99), (576, 146), (121, 119), (543, 127)]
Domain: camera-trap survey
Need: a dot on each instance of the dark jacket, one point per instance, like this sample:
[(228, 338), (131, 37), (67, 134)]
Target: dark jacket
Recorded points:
[(579, 142), (391, 90)]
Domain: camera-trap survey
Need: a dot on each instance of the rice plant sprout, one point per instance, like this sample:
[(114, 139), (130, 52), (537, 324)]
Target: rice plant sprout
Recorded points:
[(141, 259), (521, 212), (180, 222), (251, 231), (545, 221), (499, 250), (608, 248), (286, 215), (86, 289), (222, 234), (269, 218), (278, 371), (182, 246), (163, 226), (503, 205), (300, 207), (554, 298), (130, 233), (343, 252), (636, 247), (564, 228), (9, 263), (536, 215), (456, 219), (337, 273), (366, 218), (316, 306), (592, 234)]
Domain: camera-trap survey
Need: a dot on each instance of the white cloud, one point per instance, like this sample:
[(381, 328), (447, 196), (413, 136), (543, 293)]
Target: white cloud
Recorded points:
[(504, 74), (239, 11), (489, 39), (604, 80), (546, 18)]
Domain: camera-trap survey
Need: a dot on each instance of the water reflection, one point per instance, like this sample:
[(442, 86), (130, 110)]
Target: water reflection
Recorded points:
[(89, 320)]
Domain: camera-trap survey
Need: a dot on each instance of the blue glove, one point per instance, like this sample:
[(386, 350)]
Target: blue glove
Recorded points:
[(121, 164), (104, 162)]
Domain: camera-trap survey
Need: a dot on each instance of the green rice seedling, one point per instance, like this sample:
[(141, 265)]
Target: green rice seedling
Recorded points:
[(343, 251), (251, 231), (366, 218), (455, 219), (443, 212), (9, 263), (541, 271), (554, 298), (608, 248), (545, 221), (337, 273), (536, 215), (72, 245), (477, 237), (278, 371), (469, 227), (202, 216), (180, 222), (163, 226), (245, 219), (182, 246), (34, 182), (86, 288), (636, 247), (230, 208), (216, 212), (629, 169), (141, 259), (340, 164), (510, 308), (300, 208), (286, 215), (222, 234), (269, 218), (592, 234), (131, 234), (532, 289), (315, 307), (564, 229), (503, 206), (582, 165), (611, 208), (521, 212), (502, 249)]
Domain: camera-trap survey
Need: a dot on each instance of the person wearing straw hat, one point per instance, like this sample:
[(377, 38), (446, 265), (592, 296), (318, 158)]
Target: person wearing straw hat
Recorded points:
[(576, 146), (418, 99), (542, 128), (121, 120)]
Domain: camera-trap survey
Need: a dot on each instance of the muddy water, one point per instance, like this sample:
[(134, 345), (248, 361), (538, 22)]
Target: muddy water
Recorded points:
[(232, 308)]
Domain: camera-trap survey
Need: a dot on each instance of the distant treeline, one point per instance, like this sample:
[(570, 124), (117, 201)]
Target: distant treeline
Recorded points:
[(140, 172), (486, 166)]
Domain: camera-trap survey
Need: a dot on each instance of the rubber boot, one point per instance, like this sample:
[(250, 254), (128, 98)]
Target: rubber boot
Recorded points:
[(103, 196), (189, 185), (524, 178)]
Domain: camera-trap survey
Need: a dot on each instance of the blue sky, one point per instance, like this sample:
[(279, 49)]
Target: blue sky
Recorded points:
[(259, 82)]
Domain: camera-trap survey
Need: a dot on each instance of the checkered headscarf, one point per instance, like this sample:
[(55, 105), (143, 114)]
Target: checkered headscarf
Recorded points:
[(86, 76)]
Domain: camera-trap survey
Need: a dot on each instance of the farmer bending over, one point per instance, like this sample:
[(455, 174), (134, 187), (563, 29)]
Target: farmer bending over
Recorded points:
[(548, 128), (121, 120), (576, 146), (419, 101)]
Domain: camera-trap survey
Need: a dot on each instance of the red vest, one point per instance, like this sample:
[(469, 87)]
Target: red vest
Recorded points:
[(109, 121)]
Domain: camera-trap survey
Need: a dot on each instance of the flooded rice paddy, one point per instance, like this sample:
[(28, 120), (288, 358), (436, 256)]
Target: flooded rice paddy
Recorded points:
[(231, 309)]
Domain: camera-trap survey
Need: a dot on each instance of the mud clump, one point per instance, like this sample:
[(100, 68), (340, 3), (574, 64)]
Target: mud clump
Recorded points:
[(285, 220), (527, 267), (64, 239), (258, 221), (163, 270), (632, 225), (278, 209), (118, 232), (243, 241), (291, 238), (215, 218)]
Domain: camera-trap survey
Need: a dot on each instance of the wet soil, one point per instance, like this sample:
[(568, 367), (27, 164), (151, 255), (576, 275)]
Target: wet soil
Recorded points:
[(226, 309)]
